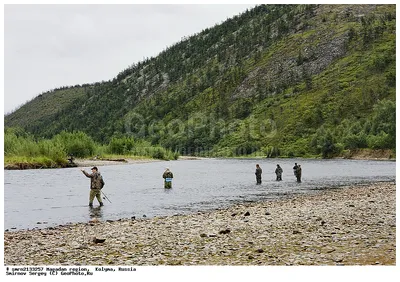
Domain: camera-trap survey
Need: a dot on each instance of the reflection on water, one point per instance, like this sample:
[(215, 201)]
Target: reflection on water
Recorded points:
[(32, 196), (95, 212)]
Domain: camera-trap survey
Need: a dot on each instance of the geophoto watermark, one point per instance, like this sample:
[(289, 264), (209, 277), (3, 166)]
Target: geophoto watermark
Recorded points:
[(206, 126)]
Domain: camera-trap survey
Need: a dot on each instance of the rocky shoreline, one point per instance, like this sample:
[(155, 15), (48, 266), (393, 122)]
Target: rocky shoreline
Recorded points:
[(345, 226)]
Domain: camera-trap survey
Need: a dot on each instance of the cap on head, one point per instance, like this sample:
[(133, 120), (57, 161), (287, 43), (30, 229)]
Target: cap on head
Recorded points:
[(95, 167)]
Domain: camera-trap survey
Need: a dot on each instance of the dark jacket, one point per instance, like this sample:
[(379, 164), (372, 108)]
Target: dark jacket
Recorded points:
[(298, 171), (295, 169), (96, 180), (168, 174)]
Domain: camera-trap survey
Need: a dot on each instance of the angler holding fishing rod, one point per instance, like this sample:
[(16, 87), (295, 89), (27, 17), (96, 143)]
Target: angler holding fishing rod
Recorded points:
[(96, 184)]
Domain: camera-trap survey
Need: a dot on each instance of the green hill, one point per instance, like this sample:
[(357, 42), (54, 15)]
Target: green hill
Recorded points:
[(277, 80)]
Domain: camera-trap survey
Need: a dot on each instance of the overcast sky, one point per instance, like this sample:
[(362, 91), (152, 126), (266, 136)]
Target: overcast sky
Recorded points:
[(49, 46)]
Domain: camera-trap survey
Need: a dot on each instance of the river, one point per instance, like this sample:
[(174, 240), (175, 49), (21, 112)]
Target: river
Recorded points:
[(50, 197)]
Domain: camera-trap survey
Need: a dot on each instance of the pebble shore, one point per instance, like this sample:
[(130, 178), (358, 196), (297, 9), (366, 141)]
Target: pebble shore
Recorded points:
[(344, 226)]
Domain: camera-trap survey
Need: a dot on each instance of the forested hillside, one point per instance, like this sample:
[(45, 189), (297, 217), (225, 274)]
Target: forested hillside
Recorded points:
[(277, 80)]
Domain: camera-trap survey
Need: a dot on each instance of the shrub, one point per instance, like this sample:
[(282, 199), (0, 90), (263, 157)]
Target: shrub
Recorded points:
[(158, 153), (272, 152), (354, 141), (76, 143), (380, 141), (121, 146)]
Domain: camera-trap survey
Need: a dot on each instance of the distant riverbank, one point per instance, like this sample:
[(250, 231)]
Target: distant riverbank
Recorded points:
[(41, 163), (101, 162), (368, 154), (32, 164), (346, 226), (36, 164)]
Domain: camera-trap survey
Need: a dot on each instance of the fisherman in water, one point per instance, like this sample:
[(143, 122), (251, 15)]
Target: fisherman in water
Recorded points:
[(298, 173), (96, 183), (295, 170), (278, 172), (258, 174), (167, 175)]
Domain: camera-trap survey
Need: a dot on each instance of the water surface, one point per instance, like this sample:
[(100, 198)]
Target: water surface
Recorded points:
[(42, 198)]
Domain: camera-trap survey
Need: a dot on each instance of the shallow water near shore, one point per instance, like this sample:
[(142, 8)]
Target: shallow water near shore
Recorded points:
[(43, 198)]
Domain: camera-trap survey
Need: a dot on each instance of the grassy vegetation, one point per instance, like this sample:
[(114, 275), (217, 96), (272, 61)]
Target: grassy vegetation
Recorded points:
[(23, 150), (23, 162)]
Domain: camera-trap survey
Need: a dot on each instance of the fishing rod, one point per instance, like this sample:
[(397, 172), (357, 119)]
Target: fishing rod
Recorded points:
[(105, 196)]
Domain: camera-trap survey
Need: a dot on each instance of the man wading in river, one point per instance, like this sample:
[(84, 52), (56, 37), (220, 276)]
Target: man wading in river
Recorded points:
[(258, 174), (278, 172), (295, 170), (167, 175), (298, 173), (96, 183)]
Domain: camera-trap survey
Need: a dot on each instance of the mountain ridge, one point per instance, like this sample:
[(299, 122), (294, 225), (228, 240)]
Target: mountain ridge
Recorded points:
[(259, 68)]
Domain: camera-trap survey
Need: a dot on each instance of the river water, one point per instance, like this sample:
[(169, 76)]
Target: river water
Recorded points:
[(43, 198)]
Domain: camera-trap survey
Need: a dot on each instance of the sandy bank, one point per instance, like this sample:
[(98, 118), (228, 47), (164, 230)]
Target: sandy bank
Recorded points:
[(345, 226), (101, 162), (97, 162), (369, 154)]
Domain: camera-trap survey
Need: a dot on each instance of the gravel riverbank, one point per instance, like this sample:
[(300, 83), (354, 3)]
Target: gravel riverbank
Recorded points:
[(344, 226), (122, 161)]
